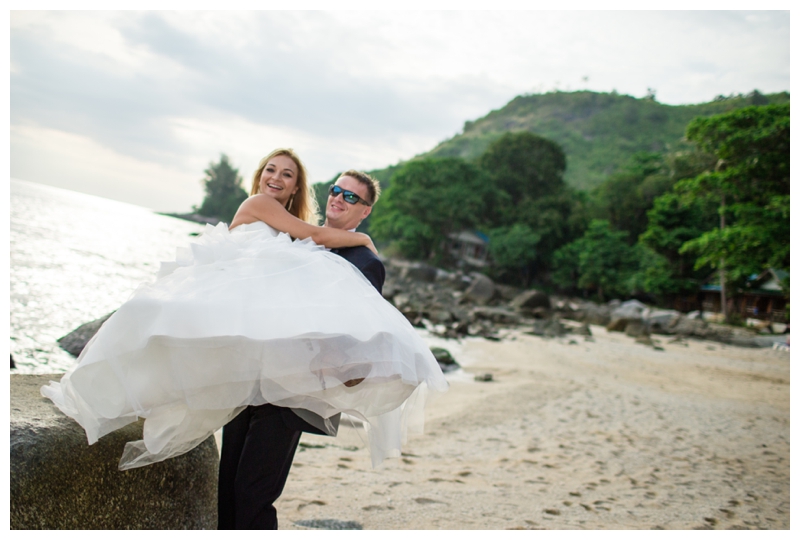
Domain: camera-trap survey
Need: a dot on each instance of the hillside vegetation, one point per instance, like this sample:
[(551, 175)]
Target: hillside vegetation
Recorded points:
[(599, 132)]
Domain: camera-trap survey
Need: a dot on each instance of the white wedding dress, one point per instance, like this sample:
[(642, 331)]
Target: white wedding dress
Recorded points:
[(247, 317)]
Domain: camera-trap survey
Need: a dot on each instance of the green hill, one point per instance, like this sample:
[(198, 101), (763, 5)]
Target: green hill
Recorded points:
[(598, 131)]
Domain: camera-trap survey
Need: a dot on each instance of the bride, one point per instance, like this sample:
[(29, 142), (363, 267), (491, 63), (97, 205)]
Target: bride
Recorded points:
[(257, 313)]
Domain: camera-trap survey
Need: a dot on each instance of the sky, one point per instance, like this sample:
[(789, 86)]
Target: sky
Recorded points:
[(135, 105)]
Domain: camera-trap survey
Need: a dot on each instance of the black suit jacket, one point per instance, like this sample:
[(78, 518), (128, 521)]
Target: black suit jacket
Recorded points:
[(371, 266)]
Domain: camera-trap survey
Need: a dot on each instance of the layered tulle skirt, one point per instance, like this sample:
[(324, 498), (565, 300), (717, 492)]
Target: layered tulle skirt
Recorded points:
[(249, 317)]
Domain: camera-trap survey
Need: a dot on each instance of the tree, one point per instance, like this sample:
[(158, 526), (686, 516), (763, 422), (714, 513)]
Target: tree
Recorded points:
[(671, 223), (224, 192), (751, 184), (513, 252), (427, 200), (601, 260), (526, 167)]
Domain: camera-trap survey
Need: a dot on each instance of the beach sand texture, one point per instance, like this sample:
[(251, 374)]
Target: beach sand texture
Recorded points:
[(572, 434)]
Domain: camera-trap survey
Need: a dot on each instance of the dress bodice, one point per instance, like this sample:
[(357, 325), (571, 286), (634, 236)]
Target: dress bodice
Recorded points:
[(253, 227)]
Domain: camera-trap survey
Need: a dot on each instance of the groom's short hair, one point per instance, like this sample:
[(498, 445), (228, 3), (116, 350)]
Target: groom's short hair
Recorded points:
[(372, 185)]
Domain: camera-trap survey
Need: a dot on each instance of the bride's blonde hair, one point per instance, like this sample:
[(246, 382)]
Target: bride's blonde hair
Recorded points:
[(302, 204)]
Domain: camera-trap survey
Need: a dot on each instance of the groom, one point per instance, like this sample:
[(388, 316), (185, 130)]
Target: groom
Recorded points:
[(258, 445)]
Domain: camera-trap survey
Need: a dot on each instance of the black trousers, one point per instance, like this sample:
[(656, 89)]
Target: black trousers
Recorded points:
[(257, 452)]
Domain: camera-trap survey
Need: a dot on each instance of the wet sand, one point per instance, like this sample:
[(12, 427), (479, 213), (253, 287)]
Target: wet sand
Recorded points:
[(572, 434)]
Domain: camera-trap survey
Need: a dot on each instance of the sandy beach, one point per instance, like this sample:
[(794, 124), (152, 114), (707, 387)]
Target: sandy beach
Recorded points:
[(572, 434)]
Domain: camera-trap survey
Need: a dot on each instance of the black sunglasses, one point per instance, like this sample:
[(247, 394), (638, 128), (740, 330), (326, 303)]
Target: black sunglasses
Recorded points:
[(348, 196)]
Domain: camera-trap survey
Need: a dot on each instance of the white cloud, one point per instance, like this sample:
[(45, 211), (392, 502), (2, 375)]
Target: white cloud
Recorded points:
[(169, 91), (70, 161)]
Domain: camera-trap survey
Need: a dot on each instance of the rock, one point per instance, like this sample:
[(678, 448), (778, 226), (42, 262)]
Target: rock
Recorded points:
[(75, 341), (530, 299), (582, 330), (617, 325), (594, 314), (632, 309), (636, 328), (660, 321), (644, 339), (419, 272), (684, 326), (495, 314), (445, 359), (481, 290), (484, 377), (401, 301), (330, 524), (441, 316), (547, 328), (13, 365), (58, 481), (625, 314), (507, 292)]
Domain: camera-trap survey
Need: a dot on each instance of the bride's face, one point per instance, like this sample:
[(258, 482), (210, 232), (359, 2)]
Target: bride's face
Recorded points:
[(279, 179)]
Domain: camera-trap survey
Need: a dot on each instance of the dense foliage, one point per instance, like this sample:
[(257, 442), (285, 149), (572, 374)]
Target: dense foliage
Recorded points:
[(224, 192), (429, 199), (599, 132), (657, 226)]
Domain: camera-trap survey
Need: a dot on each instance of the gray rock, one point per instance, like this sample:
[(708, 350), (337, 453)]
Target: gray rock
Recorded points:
[(75, 341), (419, 272), (631, 309), (531, 299), (594, 314), (636, 328), (58, 481), (445, 359), (617, 325), (330, 524), (507, 292), (481, 290), (582, 330), (547, 328), (495, 314), (684, 326), (660, 321), (440, 315)]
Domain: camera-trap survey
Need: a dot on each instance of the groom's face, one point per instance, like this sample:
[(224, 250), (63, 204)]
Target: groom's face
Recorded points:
[(340, 214)]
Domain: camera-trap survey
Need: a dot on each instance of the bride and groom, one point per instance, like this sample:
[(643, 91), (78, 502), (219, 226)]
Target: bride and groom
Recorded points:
[(248, 324)]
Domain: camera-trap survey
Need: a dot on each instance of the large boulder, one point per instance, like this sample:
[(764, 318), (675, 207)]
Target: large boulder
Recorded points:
[(530, 299), (685, 327), (626, 313), (481, 290), (58, 481), (631, 309), (75, 341), (661, 320), (636, 328)]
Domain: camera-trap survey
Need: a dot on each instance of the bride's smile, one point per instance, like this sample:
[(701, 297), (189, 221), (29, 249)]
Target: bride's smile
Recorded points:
[(279, 179)]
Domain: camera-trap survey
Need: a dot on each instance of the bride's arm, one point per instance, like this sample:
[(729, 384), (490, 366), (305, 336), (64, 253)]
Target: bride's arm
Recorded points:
[(264, 208)]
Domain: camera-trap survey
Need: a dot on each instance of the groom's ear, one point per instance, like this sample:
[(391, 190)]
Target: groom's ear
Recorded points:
[(367, 210)]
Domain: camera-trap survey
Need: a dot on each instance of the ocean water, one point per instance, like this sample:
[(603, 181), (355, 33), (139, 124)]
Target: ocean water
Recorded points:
[(74, 258)]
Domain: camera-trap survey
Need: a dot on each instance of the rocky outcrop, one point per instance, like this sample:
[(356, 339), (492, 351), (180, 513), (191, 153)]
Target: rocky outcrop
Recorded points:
[(445, 359), (75, 341), (58, 481), (481, 290)]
